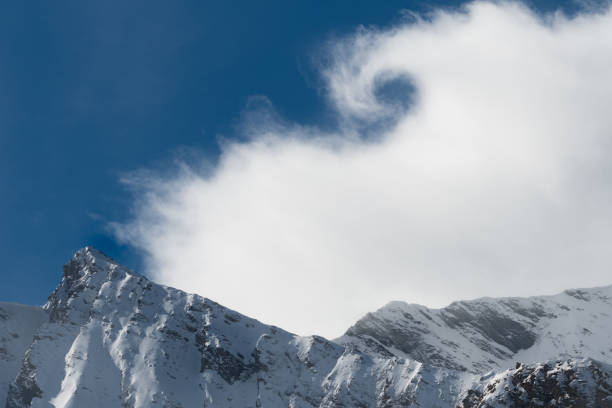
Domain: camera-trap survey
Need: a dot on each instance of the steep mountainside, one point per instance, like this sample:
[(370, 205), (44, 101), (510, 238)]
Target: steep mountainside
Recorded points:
[(491, 334), (18, 324), (108, 337)]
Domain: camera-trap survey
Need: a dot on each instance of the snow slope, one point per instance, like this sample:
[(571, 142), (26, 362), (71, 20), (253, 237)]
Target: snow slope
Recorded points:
[(492, 334), (111, 338)]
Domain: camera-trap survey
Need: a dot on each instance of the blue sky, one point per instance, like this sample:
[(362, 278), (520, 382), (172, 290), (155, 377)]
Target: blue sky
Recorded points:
[(91, 90)]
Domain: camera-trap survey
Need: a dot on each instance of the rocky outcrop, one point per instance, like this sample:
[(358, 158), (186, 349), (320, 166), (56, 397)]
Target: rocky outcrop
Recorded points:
[(564, 384)]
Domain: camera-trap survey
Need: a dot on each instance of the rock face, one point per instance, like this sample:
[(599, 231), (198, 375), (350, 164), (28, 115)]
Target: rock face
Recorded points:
[(18, 325), (108, 337)]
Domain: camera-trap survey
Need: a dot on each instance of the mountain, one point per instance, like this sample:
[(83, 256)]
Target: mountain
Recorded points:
[(108, 337), (491, 334)]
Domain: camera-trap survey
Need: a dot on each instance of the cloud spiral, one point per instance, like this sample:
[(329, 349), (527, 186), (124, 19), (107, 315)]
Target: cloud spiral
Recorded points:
[(495, 181)]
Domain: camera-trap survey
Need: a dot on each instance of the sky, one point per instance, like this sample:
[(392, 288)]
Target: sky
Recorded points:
[(306, 163)]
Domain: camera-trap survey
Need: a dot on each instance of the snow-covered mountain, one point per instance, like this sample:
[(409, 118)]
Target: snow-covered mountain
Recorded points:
[(492, 334), (108, 337)]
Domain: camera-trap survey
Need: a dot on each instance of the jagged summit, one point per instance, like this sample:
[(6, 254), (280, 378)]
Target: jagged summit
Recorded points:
[(91, 251), (89, 260), (110, 337), (86, 261), (84, 274), (90, 254)]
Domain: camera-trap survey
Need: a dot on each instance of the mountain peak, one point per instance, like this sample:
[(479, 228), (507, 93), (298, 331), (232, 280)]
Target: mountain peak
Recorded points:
[(88, 261), (84, 260), (84, 275), (91, 252)]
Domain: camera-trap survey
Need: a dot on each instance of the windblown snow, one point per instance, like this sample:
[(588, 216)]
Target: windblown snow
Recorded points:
[(108, 337)]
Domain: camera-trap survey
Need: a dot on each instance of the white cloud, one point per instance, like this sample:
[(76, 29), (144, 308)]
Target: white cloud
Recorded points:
[(496, 182)]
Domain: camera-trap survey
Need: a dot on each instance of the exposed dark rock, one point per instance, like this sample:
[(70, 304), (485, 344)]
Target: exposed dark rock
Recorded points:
[(24, 389), (579, 294), (561, 385)]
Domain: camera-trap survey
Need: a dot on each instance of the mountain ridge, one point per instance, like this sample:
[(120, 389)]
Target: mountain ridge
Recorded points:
[(496, 332), (117, 339)]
